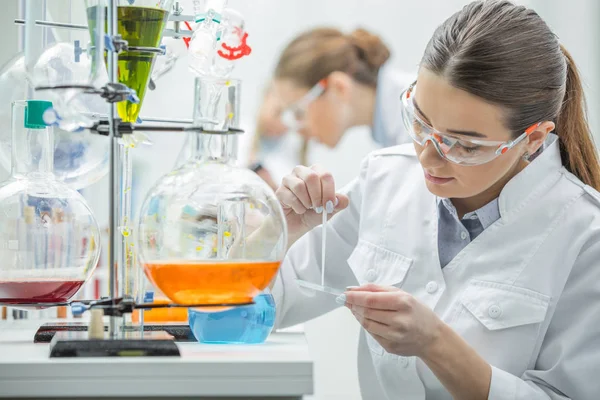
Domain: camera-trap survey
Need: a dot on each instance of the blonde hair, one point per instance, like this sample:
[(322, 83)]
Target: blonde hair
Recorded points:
[(316, 53)]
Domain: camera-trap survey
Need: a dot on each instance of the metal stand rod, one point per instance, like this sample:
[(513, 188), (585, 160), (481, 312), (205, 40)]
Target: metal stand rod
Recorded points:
[(113, 123)]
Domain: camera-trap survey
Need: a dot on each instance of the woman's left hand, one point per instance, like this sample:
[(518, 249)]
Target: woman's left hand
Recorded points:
[(399, 322)]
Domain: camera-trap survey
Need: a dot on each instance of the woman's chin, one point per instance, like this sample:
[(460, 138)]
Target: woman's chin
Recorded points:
[(444, 191)]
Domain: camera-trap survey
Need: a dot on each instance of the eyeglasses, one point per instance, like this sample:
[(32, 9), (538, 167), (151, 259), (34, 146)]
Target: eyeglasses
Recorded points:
[(467, 152), (293, 116)]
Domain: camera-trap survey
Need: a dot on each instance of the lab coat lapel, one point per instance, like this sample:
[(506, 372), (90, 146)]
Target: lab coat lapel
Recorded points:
[(529, 183), (527, 203)]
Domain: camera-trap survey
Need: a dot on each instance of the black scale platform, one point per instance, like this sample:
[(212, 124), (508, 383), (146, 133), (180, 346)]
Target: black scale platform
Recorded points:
[(70, 339)]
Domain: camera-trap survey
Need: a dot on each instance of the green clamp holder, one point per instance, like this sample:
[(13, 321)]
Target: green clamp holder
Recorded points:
[(34, 113)]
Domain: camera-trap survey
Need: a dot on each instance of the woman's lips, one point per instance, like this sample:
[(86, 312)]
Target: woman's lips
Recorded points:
[(437, 180)]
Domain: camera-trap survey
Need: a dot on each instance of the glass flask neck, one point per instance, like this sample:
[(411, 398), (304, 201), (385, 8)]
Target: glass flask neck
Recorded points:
[(32, 144), (221, 148)]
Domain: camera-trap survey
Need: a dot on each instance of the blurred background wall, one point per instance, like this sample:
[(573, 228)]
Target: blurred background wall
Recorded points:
[(405, 25)]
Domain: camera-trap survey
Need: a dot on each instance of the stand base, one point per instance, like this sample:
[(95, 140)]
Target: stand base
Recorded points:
[(76, 344), (179, 332)]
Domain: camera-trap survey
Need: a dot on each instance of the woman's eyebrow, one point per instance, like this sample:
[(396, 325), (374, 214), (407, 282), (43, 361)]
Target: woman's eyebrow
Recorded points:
[(454, 131)]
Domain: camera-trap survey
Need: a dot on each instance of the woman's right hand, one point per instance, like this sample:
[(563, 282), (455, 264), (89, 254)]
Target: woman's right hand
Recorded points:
[(304, 195)]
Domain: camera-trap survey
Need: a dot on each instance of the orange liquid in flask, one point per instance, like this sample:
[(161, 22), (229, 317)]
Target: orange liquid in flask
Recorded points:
[(176, 314), (216, 282)]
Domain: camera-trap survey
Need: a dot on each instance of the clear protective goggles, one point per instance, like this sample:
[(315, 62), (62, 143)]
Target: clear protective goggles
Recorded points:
[(293, 116), (460, 151)]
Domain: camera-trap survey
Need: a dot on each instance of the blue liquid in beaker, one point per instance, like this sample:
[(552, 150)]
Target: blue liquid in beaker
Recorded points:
[(239, 325)]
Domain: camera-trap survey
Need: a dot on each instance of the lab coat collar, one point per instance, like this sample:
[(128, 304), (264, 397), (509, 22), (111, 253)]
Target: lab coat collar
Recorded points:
[(486, 215), (528, 184)]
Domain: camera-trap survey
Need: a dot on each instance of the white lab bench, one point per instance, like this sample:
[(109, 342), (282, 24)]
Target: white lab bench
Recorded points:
[(280, 369)]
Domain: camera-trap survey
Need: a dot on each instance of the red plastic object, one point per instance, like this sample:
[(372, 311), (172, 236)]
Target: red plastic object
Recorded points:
[(235, 53), (186, 40)]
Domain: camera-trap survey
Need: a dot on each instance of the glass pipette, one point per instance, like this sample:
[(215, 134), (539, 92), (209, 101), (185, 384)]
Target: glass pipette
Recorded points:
[(323, 246)]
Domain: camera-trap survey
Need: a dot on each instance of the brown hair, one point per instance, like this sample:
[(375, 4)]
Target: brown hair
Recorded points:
[(507, 55), (317, 53)]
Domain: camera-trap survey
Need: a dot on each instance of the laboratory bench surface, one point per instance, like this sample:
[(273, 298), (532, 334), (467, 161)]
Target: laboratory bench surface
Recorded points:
[(281, 369)]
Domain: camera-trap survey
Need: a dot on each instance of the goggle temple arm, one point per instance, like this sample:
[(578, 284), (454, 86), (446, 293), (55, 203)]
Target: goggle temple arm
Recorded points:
[(507, 146)]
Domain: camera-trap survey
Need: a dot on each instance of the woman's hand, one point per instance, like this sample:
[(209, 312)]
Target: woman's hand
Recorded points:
[(304, 195), (400, 324)]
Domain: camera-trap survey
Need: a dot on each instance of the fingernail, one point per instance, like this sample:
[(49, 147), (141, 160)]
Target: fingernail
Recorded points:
[(319, 210), (341, 299), (329, 207), (337, 201), (351, 287)]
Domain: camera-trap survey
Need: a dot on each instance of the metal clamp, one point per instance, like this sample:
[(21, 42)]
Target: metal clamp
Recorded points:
[(126, 305)]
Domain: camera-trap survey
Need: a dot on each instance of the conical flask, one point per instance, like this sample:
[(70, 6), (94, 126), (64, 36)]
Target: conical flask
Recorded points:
[(141, 23), (211, 232), (49, 239)]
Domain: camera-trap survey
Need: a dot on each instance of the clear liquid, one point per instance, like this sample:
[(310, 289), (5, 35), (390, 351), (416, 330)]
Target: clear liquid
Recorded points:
[(239, 325)]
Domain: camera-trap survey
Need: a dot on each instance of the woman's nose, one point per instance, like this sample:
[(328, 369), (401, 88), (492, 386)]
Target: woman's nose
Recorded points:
[(430, 157)]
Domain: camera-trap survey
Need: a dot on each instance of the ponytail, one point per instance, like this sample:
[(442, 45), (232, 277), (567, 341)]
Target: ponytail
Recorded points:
[(577, 148)]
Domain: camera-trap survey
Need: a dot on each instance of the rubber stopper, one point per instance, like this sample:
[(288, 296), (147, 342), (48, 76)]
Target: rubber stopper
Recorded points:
[(96, 324), (34, 113)]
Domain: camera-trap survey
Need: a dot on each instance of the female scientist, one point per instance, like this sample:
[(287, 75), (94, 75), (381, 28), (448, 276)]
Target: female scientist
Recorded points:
[(471, 259), (326, 82)]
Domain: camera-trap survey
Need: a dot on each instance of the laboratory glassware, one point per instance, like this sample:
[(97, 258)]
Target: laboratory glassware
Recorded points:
[(250, 324), (211, 232), (141, 24), (49, 239)]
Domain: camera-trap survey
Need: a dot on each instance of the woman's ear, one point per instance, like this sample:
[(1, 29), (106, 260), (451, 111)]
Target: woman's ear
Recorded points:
[(538, 137), (340, 84)]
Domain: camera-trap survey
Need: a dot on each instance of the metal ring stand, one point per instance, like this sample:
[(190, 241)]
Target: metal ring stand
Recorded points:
[(114, 128)]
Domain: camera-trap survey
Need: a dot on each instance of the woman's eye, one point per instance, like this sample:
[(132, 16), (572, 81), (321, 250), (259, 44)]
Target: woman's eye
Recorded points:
[(417, 126), (469, 148)]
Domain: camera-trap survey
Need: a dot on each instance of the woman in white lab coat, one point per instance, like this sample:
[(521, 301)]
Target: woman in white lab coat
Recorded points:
[(471, 257), (326, 82)]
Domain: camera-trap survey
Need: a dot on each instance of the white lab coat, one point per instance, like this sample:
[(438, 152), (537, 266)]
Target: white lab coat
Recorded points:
[(525, 294)]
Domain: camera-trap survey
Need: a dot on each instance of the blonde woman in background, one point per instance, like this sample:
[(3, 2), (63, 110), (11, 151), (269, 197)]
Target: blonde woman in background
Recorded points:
[(325, 83)]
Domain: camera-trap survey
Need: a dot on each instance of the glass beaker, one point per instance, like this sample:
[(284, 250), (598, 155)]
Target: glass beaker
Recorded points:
[(250, 324), (210, 232), (49, 239)]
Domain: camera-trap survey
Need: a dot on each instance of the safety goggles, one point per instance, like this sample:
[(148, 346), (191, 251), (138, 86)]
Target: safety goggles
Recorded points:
[(461, 151), (293, 116)]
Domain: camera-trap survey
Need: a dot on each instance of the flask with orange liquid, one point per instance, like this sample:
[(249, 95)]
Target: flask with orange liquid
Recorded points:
[(211, 232)]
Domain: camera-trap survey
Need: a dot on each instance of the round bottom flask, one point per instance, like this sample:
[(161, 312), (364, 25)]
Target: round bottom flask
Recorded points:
[(250, 324), (49, 239), (210, 232)]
